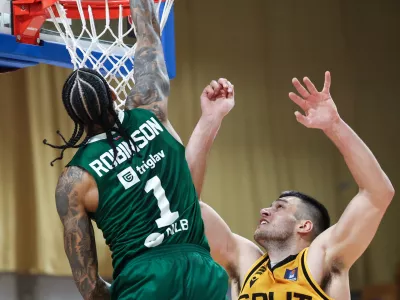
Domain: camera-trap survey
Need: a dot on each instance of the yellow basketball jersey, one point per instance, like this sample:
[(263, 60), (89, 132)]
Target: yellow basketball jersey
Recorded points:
[(288, 280)]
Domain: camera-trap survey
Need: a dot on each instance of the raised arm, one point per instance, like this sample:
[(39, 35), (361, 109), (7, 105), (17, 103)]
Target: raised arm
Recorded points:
[(233, 252), (79, 241), (217, 99), (358, 224), (152, 86), (345, 242)]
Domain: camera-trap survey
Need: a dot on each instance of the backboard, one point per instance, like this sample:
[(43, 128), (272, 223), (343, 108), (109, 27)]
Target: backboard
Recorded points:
[(50, 48)]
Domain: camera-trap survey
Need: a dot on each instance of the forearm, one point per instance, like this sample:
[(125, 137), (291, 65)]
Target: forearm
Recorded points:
[(101, 291), (146, 11), (362, 163), (80, 248), (145, 22), (96, 289), (199, 147), (79, 239), (152, 86)]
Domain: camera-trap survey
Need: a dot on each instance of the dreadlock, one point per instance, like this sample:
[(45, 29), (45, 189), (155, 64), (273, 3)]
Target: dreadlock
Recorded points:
[(88, 100)]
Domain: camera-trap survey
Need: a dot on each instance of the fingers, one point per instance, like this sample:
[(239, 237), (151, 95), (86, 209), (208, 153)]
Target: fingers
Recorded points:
[(208, 92), (216, 86), (231, 92), (302, 119), (302, 91), (213, 90), (327, 83), (310, 86), (219, 89), (226, 85), (298, 100)]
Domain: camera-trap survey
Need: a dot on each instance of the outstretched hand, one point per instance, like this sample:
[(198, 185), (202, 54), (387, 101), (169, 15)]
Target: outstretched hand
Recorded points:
[(218, 98), (319, 108)]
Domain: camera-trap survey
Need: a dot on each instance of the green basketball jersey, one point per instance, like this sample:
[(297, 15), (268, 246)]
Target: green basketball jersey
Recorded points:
[(149, 201)]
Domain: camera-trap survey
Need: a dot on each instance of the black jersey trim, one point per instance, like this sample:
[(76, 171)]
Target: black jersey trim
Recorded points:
[(282, 263), (303, 265), (253, 270)]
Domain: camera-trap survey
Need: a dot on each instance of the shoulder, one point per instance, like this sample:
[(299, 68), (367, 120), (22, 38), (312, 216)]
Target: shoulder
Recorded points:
[(156, 110), (69, 178), (137, 115), (71, 188), (138, 111), (248, 255)]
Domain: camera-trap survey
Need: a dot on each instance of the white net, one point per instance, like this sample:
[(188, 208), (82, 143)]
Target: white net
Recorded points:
[(116, 59)]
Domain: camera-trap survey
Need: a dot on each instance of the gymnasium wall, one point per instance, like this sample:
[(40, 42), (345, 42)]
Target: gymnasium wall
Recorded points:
[(261, 150)]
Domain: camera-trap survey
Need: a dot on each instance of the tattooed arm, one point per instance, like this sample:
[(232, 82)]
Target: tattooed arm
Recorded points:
[(79, 241), (151, 88)]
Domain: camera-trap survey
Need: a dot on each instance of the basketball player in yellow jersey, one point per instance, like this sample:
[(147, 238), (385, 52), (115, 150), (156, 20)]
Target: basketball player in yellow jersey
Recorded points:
[(305, 258)]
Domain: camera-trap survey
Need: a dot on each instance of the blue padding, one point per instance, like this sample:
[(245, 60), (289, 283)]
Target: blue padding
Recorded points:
[(14, 54), (47, 53), (13, 63), (168, 41)]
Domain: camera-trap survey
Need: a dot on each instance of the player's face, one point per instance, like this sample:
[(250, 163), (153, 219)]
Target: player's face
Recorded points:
[(277, 222)]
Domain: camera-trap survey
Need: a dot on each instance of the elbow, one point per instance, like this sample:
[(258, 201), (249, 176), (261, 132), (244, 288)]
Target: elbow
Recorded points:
[(189, 161), (202, 204), (161, 84), (388, 194), (390, 191), (387, 191), (383, 194), (165, 87)]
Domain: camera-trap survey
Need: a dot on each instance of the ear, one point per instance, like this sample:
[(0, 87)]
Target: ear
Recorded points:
[(305, 227)]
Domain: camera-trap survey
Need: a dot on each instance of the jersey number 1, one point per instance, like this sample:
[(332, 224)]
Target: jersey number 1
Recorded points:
[(166, 218)]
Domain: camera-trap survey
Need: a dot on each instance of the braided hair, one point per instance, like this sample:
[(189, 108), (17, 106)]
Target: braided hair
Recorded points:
[(88, 100)]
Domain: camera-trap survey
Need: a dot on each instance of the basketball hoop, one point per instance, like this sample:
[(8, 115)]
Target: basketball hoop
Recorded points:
[(115, 61)]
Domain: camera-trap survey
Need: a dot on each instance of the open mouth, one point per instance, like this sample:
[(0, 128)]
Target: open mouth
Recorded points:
[(262, 222)]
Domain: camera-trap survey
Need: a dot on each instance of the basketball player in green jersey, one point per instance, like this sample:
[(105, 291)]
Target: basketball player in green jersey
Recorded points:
[(131, 177)]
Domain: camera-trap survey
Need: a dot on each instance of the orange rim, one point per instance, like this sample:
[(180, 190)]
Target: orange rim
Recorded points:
[(98, 8)]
